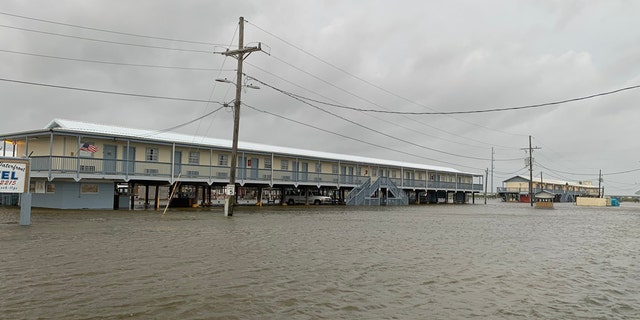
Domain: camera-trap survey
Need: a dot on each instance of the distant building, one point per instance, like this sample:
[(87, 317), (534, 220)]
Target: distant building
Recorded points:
[(516, 189), (86, 165)]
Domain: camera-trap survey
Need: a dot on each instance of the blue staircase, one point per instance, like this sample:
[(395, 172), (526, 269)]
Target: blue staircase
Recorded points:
[(381, 191)]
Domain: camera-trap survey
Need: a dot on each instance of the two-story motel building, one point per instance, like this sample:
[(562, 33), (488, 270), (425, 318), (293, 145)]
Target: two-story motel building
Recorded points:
[(76, 165), (516, 189)]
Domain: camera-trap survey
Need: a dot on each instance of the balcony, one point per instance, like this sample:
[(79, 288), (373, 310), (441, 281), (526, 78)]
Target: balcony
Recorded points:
[(85, 168)]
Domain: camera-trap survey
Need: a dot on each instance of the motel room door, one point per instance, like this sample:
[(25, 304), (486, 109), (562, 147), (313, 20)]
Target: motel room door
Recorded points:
[(305, 172), (253, 164), (129, 156), (110, 154), (177, 163)]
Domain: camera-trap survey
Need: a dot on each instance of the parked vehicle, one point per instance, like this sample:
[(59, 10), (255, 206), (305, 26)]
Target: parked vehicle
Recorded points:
[(302, 198)]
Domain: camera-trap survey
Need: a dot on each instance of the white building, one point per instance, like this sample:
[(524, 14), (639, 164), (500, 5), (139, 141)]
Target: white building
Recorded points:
[(86, 165)]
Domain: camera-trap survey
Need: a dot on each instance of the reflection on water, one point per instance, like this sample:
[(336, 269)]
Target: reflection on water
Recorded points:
[(495, 261)]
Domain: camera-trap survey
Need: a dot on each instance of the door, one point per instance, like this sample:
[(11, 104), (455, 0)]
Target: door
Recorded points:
[(109, 157), (254, 168), (129, 156), (177, 163), (350, 179), (241, 167), (294, 170), (305, 172)]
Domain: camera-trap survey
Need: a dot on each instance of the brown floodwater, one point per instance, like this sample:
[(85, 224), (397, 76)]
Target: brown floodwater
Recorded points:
[(494, 261)]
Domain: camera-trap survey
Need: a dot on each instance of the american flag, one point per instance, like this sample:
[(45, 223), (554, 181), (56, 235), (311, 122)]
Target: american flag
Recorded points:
[(89, 147)]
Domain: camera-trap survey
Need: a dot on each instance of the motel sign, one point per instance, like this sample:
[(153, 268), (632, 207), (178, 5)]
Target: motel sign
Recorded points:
[(13, 175)]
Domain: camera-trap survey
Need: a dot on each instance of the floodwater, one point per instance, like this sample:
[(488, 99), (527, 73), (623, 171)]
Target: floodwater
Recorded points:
[(494, 261)]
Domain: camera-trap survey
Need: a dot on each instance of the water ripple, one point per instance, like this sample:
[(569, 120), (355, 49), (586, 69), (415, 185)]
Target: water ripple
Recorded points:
[(496, 261)]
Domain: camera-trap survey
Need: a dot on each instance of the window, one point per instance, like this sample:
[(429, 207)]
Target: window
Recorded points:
[(318, 167), (284, 164), (194, 157), (334, 169), (267, 163), (151, 154), (223, 160), (89, 188), (193, 173)]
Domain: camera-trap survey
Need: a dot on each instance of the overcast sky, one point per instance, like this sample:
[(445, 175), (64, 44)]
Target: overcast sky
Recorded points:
[(391, 56)]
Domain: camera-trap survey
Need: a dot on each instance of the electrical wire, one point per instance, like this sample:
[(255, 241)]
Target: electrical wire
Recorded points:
[(390, 122), (208, 101), (182, 124), (591, 173), (371, 129), (352, 138), (540, 105), (112, 62), (108, 92), (104, 41), (621, 172), (109, 31), (378, 131), (370, 83)]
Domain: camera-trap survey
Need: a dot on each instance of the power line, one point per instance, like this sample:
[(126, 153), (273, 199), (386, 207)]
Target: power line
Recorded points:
[(208, 101), (621, 172), (590, 173), (370, 83), (104, 41), (367, 128), (108, 92), (112, 62), (109, 31), (352, 138), (540, 105), (500, 173), (371, 129), (182, 124), (386, 120), (373, 103)]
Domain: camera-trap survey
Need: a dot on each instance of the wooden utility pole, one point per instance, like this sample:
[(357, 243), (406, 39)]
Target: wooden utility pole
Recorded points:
[(600, 184), (531, 171), (486, 174), (239, 54)]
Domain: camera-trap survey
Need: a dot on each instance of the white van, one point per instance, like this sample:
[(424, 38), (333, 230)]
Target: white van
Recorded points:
[(312, 196)]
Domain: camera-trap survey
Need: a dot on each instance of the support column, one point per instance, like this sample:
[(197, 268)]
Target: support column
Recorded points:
[(156, 201), (132, 196), (146, 196)]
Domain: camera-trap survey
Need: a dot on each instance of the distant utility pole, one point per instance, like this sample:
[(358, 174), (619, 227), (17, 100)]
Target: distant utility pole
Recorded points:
[(531, 171), (239, 55), (486, 172), (600, 184), (492, 167)]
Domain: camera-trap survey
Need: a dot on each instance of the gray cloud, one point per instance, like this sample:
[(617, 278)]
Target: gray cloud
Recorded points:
[(412, 56)]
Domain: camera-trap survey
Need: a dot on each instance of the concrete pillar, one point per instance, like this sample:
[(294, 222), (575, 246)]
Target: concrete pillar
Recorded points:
[(156, 199)]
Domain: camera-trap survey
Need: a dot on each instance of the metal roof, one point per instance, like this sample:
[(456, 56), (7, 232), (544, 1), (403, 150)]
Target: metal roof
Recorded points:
[(552, 181), (172, 137)]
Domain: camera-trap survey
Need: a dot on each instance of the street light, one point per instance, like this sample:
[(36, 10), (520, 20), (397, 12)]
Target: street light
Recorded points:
[(225, 80)]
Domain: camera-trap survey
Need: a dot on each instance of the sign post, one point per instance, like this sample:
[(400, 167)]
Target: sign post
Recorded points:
[(14, 178)]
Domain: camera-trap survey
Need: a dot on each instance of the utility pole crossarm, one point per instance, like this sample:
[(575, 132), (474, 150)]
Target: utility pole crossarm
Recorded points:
[(236, 53)]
